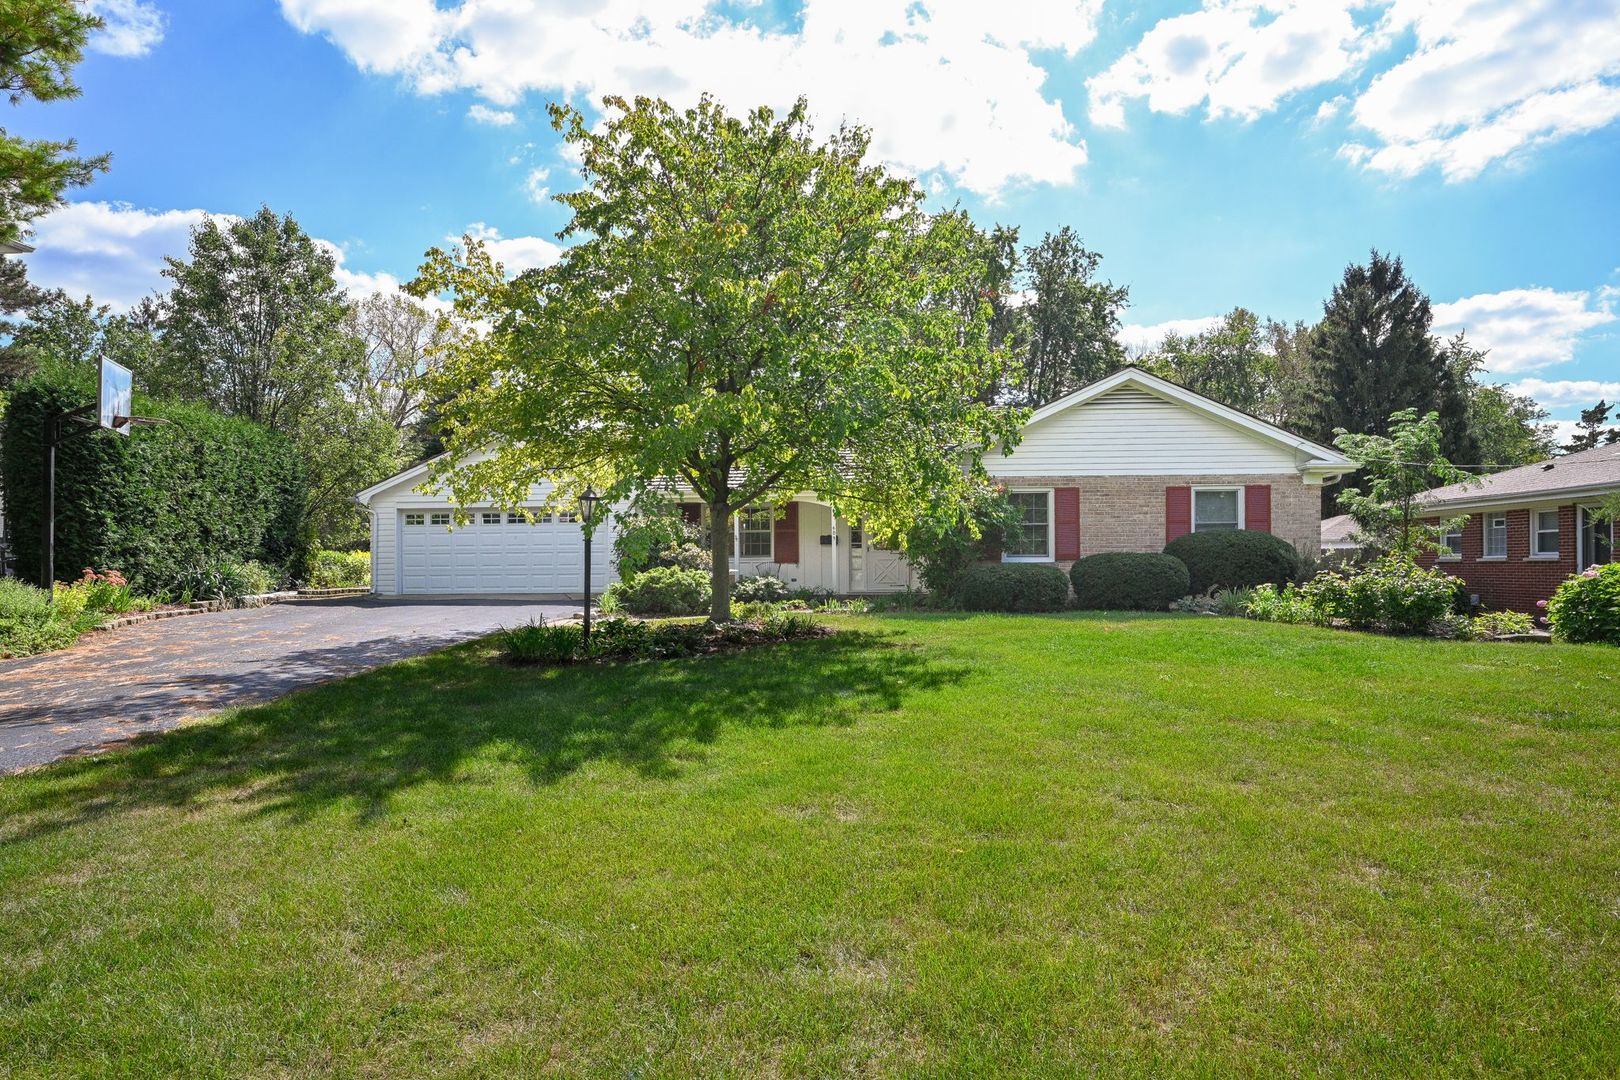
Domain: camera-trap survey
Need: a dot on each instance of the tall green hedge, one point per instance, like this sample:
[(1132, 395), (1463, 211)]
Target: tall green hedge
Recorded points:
[(199, 488)]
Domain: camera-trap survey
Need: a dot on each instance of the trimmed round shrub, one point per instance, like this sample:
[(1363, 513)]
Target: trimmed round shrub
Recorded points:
[(1013, 587), (663, 590), (1586, 608), (1234, 559), (1128, 581)]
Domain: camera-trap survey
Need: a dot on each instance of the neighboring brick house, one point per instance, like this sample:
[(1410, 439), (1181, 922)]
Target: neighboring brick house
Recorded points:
[(1127, 463), (1528, 528)]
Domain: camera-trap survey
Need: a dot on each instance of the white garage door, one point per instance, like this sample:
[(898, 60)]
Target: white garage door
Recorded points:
[(497, 553)]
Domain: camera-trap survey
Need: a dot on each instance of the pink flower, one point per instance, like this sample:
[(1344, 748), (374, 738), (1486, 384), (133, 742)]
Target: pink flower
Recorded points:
[(1590, 571), (1541, 603)]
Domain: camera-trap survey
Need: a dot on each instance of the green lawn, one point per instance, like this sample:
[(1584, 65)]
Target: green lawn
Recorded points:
[(929, 845)]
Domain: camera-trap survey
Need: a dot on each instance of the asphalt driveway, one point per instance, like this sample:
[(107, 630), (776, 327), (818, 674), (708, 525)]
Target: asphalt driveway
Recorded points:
[(155, 675)]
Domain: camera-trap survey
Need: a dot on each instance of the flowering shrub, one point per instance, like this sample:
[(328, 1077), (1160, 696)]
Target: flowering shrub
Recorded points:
[(1286, 605), (1586, 607), (1394, 595), (96, 594), (663, 590)]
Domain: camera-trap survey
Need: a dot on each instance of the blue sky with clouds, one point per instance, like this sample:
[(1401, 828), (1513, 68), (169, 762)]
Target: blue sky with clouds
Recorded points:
[(1217, 154)]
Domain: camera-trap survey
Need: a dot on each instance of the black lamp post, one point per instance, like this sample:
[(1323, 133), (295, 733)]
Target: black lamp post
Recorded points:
[(587, 511)]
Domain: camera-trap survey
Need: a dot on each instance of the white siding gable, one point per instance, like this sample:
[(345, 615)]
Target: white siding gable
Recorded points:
[(1130, 432)]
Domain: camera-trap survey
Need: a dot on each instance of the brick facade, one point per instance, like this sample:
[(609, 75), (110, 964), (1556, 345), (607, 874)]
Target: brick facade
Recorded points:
[(1127, 513), (1519, 580)]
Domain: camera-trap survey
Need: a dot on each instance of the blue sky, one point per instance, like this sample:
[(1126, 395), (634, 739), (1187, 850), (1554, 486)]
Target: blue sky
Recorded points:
[(1217, 154)]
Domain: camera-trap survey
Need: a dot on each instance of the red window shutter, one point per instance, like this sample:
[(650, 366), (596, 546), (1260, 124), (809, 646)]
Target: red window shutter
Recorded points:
[(1066, 523), (1177, 512), (787, 534), (692, 512), (1257, 507)]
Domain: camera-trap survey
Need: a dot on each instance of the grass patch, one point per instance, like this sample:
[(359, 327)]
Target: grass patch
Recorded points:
[(941, 844)]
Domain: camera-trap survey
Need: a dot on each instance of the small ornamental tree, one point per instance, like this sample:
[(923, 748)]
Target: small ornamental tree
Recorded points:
[(743, 310), (1394, 472)]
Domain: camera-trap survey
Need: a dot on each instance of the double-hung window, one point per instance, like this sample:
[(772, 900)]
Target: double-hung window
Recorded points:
[(1544, 534), (1217, 508), (755, 527), (1031, 538), (1451, 544), (1495, 536)]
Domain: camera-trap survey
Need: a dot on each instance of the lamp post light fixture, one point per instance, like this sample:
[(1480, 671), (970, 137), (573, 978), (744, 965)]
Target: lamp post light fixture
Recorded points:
[(587, 512)]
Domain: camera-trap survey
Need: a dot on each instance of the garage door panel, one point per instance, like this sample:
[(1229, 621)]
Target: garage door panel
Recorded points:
[(498, 557)]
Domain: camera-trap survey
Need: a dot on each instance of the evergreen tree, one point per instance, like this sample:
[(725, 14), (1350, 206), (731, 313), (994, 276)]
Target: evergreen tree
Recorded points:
[(1372, 356), (1594, 430)]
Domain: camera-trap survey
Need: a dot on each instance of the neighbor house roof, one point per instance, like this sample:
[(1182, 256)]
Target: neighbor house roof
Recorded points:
[(1339, 532), (1594, 472), (13, 247)]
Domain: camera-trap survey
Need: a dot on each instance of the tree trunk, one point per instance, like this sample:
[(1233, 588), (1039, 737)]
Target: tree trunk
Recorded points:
[(720, 554)]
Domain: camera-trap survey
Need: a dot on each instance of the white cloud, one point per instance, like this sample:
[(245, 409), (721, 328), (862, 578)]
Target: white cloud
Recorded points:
[(1525, 329), (952, 88), (1487, 80), (514, 253), (483, 114), (1138, 338), (114, 252), (535, 184), (1560, 394), (1235, 58), (134, 27), (111, 251)]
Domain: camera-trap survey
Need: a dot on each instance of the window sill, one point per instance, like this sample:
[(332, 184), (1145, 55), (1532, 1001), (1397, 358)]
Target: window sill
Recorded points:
[(1493, 558), (1554, 557), (1028, 558), (1448, 558)]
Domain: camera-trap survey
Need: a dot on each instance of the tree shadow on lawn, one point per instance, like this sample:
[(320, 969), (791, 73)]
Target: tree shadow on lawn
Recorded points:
[(361, 740)]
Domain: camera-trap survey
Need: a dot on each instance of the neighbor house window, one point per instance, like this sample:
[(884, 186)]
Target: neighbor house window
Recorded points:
[(491, 517), (1495, 536), (1452, 542), (1544, 533), (1597, 538), (416, 519), (439, 517), (1031, 538), (1216, 508), (755, 527)]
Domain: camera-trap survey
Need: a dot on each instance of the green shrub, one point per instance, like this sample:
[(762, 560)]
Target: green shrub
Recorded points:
[(1286, 605), (1394, 595), (1235, 559), (1501, 624), (1128, 581), (1586, 607), (339, 569), (786, 625), (537, 642), (217, 579), (1013, 587), (663, 590), (257, 579), (766, 589), (30, 623), (653, 533), (200, 488)]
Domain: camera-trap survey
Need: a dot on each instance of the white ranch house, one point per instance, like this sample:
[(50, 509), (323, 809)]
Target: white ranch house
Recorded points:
[(1124, 464)]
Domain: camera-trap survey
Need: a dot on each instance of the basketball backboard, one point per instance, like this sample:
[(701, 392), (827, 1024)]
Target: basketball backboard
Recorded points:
[(117, 397)]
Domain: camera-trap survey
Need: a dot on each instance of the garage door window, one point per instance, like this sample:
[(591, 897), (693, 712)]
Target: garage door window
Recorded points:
[(440, 518), (516, 519), (491, 519), (416, 519)]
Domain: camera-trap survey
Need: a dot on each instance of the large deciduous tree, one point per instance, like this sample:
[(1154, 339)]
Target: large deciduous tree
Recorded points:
[(1067, 331), (256, 326), (40, 42), (745, 310), (1229, 362), (1373, 356)]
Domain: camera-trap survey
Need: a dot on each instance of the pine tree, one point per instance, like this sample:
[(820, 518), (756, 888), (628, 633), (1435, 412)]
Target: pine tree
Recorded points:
[(1594, 430), (1372, 356)]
